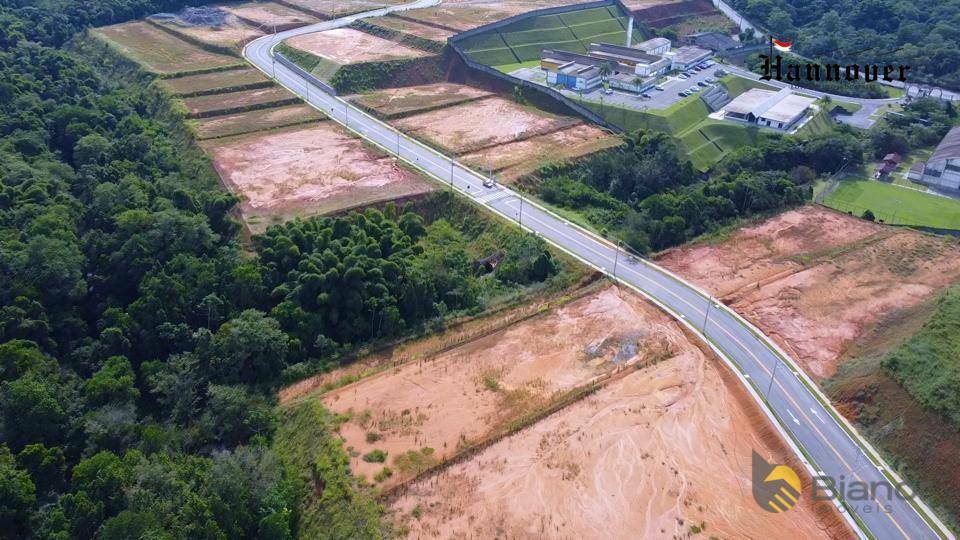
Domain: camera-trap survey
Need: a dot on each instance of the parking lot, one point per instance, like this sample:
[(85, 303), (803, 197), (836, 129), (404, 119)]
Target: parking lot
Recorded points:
[(658, 99)]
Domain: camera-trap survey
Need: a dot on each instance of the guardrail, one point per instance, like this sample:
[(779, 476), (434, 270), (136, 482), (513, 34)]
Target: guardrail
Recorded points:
[(289, 64)]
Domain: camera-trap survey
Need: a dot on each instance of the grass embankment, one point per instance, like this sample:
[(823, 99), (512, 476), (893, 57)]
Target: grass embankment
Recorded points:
[(928, 365), (335, 504), (524, 40), (895, 205), (705, 141)]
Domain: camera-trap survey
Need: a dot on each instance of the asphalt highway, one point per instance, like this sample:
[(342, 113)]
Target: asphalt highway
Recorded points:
[(825, 442)]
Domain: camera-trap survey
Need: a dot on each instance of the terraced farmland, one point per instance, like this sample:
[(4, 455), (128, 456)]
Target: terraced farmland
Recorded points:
[(524, 40)]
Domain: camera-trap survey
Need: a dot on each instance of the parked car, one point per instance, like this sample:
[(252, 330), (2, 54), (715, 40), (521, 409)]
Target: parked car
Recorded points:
[(703, 84), (607, 91), (683, 93), (683, 76), (693, 89), (645, 95), (658, 88), (720, 73), (710, 63), (710, 80)]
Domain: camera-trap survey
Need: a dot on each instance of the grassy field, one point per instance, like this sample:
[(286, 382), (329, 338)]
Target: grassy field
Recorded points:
[(737, 85), (895, 204), (217, 82), (507, 68), (160, 52)]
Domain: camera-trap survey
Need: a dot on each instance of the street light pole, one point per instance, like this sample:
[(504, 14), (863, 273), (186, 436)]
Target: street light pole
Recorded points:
[(616, 259), (772, 377), (520, 218), (451, 173), (706, 316)]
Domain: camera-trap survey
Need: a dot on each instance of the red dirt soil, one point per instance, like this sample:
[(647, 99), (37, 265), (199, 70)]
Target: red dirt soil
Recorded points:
[(815, 280), (267, 16), (349, 46), (513, 160), (201, 105), (307, 171), (480, 387), (232, 33), (208, 82), (459, 15), (412, 28), (259, 120), (650, 455), (160, 52), (408, 99), (480, 124)]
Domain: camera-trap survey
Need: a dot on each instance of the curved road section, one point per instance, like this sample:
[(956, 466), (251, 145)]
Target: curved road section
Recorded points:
[(825, 442)]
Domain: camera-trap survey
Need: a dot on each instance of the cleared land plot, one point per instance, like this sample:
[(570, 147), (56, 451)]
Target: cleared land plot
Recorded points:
[(232, 33), (480, 124), (895, 205), (160, 52), (513, 160), (349, 46), (267, 15), (459, 15), (412, 28), (259, 120), (216, 82), (402, 101), (307, 171), (214, 104), (651, 455), (816, 280), (331, 8), (481, 387)]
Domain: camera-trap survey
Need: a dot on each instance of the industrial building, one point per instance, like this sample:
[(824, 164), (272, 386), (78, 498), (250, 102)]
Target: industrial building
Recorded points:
[(657, 46), (630, 68), (687, 56), (639, 62), (942, 170), (778, 110)]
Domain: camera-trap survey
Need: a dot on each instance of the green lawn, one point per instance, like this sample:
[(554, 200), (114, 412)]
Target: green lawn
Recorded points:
[(507, 68), (895, 205), (737, 85)]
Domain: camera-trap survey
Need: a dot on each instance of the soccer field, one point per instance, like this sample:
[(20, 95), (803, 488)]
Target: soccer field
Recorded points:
[(895, 205)]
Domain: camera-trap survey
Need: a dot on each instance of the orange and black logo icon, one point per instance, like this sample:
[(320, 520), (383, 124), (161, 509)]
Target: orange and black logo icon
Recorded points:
[(776, 488)]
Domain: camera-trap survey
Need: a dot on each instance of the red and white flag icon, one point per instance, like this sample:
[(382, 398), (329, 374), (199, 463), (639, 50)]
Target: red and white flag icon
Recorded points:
[(783, 46)]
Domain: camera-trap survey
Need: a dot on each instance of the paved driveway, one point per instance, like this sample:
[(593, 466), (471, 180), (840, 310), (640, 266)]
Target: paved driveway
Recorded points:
[(671, 85)]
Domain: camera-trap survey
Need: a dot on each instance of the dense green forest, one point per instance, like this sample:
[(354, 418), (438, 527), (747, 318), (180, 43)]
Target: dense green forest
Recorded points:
[(141, 345), (645, 194), (924, 34)]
